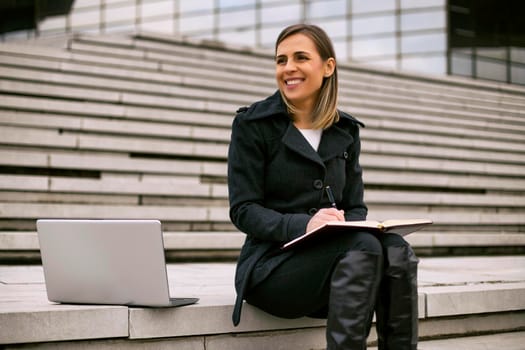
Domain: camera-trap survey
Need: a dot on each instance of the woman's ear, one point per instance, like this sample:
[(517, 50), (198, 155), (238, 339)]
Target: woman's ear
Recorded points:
[(329, 67)]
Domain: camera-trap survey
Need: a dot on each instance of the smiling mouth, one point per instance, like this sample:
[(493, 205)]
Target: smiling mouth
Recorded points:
[(293, 81)]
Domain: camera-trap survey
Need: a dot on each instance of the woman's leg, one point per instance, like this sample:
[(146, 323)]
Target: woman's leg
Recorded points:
[(354, 286), (397, 306), (335, 278)]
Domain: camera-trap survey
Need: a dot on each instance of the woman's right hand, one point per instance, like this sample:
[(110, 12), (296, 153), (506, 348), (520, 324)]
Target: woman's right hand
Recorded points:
[(323, 216)]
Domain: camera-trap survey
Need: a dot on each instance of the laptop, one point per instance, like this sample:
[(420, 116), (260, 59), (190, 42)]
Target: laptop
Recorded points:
[(115, 262)]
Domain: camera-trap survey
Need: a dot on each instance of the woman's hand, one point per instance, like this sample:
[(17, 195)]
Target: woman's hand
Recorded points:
[(323, 216)]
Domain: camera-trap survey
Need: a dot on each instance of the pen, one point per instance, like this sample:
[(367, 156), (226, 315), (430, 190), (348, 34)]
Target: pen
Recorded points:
[(330, 196)]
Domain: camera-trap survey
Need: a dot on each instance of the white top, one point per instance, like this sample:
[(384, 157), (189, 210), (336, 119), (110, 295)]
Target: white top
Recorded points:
[(313, 136)]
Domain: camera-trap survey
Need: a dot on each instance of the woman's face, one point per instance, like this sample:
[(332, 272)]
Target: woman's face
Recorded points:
[(300, 70)]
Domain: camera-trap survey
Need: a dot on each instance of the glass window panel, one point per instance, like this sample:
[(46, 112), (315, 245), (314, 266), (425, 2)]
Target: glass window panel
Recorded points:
[(269, 36), (163, 26), (461, 64), (517, 54), (340, 48), (119, 2), (51, 23), (235, 3), (264, 2), (48, 32), (499, 53), (78, 4), (120, 13), (383, 63), (373, 25), (426, 64), (426, 20), (289, 13), (408, 4), (149, 9), (196, 23), (319, 9), (237, 18), (85, 18), (125, 27), (92, 30), (374, 47), (246, 37), (364, 6), (489, 69), (194, 6), (423, 43), (200, 36), (334, 29), (517, 74), (463, 50)]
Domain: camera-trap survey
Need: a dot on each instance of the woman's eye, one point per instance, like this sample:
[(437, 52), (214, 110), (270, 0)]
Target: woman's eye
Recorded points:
[(280, 61)]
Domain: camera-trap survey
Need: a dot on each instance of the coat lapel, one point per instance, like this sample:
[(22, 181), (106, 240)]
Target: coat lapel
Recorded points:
[(295, 141), (334, 142)]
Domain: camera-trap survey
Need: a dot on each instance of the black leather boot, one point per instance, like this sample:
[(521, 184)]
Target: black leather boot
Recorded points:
[(397, 306), (353, 291)]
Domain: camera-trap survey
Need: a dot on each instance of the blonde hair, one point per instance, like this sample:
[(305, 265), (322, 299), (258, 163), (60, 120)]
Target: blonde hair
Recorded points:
[(325, 111)]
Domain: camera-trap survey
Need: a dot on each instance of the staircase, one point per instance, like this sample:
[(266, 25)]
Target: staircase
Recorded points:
[(137, 126)]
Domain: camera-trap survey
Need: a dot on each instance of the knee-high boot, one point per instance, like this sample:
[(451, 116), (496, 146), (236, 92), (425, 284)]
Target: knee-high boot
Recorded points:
[(353, 291), (397, 306)]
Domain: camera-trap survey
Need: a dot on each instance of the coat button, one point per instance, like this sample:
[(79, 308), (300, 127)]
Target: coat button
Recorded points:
[(345, 155), (312, 211), (318, 184)]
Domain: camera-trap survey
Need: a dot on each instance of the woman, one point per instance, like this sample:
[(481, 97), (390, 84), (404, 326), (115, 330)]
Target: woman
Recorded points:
[(284, 152)]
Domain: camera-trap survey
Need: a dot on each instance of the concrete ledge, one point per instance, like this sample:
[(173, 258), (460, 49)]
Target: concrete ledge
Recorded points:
[(507, 341), (453, 300), (43, 323), (233, 240), (457, 296)]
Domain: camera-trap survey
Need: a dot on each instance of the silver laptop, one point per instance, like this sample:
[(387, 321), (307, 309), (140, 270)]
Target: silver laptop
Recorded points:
[(117, 262)]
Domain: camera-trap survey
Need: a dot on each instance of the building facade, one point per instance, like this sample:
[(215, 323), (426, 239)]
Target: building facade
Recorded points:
[(430, 36)]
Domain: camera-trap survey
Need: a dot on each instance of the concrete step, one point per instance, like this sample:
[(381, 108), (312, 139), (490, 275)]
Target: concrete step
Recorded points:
[(103, 124), (70, 140), (507, 341), (499, 110), (125, 80), (442, 217), (206, 99), (154, 42), (373, 139), (172, 187), (202, 115), (378, 170), (375, 116), (452, 86), (141, 47), (195, 116), (102, 161), (15, 136), (458, 297), (225, 245), (433, 181), (437, 166)]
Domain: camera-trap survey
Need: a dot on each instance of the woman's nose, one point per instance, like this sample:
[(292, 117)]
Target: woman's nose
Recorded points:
[(290, 66)]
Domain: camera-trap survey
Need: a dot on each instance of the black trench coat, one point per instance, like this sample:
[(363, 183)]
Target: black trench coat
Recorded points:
[(276, 182)]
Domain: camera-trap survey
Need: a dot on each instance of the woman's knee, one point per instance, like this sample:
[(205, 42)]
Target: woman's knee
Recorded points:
[(393, 240), (367, 242), (399, 256)]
